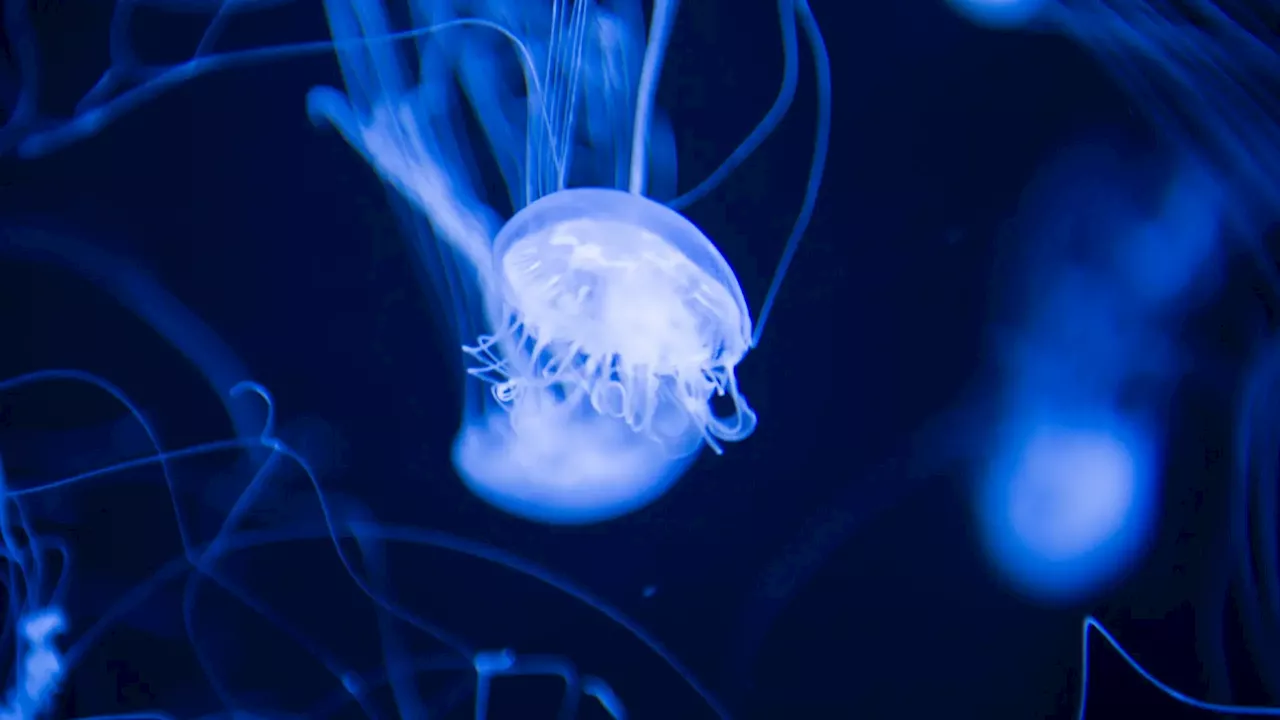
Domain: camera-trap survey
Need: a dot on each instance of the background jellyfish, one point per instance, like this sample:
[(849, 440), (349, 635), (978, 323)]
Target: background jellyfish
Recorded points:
[(1067, 500), (605, 322), (1117, 253), (1204, 75), (1120, 252)]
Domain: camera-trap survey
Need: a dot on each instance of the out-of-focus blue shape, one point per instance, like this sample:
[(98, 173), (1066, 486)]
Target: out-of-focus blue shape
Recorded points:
[(1065, 498), (1067, 506)]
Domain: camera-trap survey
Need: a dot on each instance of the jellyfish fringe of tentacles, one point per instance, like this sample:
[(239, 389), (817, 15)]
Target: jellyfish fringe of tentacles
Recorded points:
[(604, 322), (39, 570), (1206, 72)]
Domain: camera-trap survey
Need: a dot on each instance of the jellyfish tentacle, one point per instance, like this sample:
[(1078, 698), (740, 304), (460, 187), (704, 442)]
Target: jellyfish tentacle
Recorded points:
[(768, 124), (822, 139), (664, 17)]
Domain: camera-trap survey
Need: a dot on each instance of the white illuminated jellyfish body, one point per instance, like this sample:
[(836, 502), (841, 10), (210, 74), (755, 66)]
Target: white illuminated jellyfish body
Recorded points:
[(601, 324), (625, 321)]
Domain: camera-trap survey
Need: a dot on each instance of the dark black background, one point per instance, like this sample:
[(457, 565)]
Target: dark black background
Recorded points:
[(280, 238)]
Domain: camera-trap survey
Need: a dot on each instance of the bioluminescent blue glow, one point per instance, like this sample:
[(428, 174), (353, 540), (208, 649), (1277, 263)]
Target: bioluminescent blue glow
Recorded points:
[(1068, 492), (1204, 72), (602, 321), (1069, 505), (1066, 500)]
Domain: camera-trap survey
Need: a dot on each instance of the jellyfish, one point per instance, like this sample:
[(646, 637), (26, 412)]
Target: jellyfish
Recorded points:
[(605, 327), (603, 322)]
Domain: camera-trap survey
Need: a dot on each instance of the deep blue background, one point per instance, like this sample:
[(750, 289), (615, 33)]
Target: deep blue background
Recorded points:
[(279, 237)]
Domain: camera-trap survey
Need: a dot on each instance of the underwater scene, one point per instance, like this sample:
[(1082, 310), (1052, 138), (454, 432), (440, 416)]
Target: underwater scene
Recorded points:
[(629, 359)]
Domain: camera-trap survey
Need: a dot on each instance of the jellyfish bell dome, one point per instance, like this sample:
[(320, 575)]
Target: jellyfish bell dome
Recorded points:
[(623, 324), (578, 232), (626, 299)]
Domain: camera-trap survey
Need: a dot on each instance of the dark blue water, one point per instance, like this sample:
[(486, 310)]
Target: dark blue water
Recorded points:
[(826, 568)]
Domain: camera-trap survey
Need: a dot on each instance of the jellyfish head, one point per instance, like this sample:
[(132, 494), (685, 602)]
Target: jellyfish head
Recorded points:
[(624, 323)]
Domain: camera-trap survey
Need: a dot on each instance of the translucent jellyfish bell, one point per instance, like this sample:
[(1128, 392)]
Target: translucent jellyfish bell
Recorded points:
[(633, 305), (631, 322)]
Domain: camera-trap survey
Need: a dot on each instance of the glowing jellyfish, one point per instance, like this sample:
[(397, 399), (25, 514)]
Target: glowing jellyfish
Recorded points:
[(1067, 492), (598, 407), (633, 322), (606, 322)]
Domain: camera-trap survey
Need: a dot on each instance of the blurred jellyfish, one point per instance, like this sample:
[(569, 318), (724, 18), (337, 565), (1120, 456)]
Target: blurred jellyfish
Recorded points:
[(1088, 358), (1204, 71), (604, 322)]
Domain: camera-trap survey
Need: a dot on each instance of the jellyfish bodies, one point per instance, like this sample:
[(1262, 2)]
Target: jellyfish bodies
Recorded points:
[(603, 322), (1067, 487), (629, 321)]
